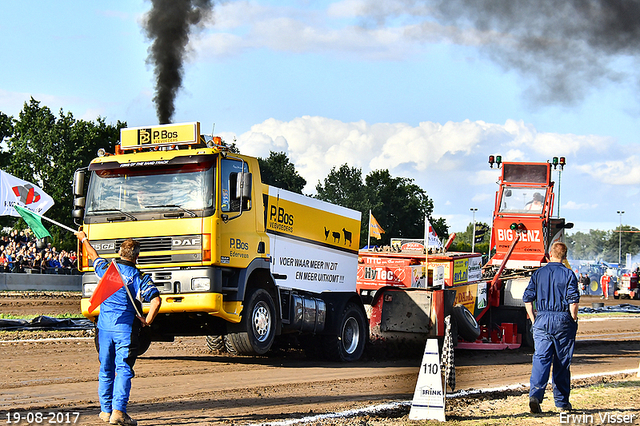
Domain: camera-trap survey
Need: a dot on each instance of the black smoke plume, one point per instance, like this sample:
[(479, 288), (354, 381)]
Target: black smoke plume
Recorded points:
[(564, 47), (168, 25), (567, 46)]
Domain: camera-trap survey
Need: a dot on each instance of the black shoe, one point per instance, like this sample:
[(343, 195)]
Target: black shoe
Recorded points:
[(534, 405), (567, 407)]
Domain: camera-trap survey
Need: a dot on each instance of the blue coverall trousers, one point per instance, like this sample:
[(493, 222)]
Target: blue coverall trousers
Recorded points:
[(554, 334), (117, 352)]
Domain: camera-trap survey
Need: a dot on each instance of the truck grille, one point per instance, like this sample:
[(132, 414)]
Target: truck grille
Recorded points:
[(177, 245), (146, 260), (149, 244)]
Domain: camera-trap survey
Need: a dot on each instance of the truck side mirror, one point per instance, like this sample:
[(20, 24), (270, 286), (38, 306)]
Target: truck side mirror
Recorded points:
[(243, 185), (79, 200), (78, 183)]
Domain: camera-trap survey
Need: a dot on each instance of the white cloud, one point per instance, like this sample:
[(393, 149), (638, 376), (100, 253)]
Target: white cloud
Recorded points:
[(481, 197), (315, 144), (572, 205), (615, 171)]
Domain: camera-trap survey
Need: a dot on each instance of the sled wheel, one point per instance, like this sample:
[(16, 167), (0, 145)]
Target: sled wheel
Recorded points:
[(468, 327)]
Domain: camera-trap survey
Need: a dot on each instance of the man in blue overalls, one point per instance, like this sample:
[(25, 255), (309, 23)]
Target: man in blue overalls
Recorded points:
[(554, 289), (117, 329)]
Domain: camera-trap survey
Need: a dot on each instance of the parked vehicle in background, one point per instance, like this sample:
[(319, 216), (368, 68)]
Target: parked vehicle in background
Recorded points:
[(627, 285)]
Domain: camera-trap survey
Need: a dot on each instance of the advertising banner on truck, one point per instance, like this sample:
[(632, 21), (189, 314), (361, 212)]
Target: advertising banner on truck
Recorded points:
[(174, 134), (472, 296), (388, 275), (314, 244)]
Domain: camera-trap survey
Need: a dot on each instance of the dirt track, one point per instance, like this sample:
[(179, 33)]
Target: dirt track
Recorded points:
[(182, 383)]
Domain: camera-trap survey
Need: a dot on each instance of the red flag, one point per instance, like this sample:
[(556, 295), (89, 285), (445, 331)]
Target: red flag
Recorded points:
[(110, 282)]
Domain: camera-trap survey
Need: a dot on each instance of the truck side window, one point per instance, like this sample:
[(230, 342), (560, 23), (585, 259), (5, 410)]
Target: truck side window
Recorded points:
[(229, 170)]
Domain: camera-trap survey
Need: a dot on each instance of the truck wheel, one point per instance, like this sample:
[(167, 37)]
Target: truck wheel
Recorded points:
[(258, 321), (215, 343), (348, 344), (468, 327)]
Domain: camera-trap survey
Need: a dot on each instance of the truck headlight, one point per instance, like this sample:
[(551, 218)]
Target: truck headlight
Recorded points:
[(200, 284), (88, 289)]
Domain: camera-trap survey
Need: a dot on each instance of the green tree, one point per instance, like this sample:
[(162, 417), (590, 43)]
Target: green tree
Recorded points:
[(401, 206), (462, 241), (46, 150), (619, 244), (278, 171), (344, 186), (586, 246), (599, 245), (6, 130)]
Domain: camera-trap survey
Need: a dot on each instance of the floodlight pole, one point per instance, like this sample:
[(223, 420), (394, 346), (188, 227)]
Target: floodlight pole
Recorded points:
[(620, 212), (473, 236)]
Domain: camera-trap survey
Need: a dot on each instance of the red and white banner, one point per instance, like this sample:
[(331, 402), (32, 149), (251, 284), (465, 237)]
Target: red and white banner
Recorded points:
[(24, 194)]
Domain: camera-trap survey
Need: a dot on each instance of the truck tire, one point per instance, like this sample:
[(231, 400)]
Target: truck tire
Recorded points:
[(215, 343), (468, 327), (258, 321), (348, 344)]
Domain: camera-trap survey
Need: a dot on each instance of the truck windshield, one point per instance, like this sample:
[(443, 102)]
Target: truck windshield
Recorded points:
[(522, 200), (144, 190)]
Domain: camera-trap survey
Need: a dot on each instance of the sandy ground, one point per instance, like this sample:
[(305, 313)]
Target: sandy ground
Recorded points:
[(182, 383)]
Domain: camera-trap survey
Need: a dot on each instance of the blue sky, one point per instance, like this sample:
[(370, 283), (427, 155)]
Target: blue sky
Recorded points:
[(377, 85)]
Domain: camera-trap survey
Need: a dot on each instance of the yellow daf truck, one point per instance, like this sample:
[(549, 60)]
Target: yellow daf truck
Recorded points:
[(238, 261)]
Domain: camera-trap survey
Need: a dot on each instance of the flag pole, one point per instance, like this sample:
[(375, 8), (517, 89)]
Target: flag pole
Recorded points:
[(426, 252), (369, 233), (55, 222)]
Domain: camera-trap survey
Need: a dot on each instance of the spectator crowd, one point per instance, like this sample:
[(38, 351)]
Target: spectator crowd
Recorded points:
[(19, 253)]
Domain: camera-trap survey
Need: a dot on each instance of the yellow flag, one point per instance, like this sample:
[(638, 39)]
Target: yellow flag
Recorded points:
[(375, 229)]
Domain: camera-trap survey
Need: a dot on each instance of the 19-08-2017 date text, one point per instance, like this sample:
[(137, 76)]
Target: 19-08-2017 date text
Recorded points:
[(39, 417)]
